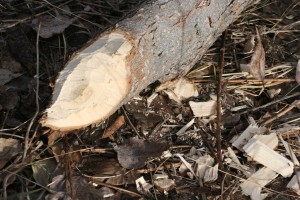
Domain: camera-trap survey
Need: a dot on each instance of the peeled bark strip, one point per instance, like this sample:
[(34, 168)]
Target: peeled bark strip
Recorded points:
[(163, 40)]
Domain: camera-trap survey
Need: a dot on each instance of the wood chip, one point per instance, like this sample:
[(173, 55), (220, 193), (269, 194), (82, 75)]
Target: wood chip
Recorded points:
[(203, 109), (179, 89), (203, 163), (164, 185), (211, 174), (185, 127), (294, 183), (270, 140), (142, 186), (266, 156), (247, 134), (259, 179)]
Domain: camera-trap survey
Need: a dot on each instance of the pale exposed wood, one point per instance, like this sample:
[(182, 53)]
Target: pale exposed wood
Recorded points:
[(163, 40), (91, 84), (179, 89), (259, 179), (270, 140), (294, 183), (185, 127), (203, 163), (266, 156), (247, 134), (142, 186), (164, 185), (211, 174), (203, 109)]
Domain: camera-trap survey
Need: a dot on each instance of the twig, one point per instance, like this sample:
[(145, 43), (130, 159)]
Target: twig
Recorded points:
[(116, 188), (283, 112), (68, 168), (26, 146), (271, 103), (31, 17), (281, 80), (11, 135), (219, 96), (10, 174), (129, 121), (5, 180)]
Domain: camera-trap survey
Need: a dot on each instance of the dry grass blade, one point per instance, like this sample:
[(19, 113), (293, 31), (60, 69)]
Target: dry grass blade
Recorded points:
[(298, 72), (257, 64)]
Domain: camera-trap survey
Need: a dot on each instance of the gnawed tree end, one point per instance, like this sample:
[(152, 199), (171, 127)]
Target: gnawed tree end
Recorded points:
[(92, 84), (163, 40)]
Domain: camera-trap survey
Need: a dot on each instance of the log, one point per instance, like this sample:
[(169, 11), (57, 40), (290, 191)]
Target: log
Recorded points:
[(163, 40)]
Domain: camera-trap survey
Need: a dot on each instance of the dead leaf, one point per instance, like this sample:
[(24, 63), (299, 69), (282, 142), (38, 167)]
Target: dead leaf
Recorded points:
[(82, 189), (43, 171), (298, 72), (135, 152), (9, 99), (257, 64), (109, 171), (7, 75), (231, 120), (8, 149), (249, 46), (51, 25)]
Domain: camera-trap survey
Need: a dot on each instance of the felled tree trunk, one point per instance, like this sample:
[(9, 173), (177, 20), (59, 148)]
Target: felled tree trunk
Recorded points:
[(163, 40)]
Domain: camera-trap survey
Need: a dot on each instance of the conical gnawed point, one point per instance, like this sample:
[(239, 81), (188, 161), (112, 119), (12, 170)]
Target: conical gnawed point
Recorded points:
[(100, 69)]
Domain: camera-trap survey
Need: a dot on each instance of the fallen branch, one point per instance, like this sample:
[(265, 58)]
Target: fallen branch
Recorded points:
[(163, 40)]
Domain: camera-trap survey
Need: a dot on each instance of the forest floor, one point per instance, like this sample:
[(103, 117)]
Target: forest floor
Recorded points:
[(229, 129)]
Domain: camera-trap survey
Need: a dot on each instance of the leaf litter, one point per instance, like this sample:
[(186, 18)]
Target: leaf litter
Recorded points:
[(162, 144)]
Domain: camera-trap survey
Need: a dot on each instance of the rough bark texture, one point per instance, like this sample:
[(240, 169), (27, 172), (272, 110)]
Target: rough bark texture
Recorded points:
[(168, 37)]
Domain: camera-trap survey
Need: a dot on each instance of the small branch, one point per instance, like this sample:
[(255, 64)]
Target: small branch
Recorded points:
[(116, 188), (219, 96), (281, 80), (37, 76), (271, 103), (283, 112), (130, 123)]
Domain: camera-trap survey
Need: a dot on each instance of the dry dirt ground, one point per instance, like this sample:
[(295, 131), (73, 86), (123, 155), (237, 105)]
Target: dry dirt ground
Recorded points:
[(164, 143)]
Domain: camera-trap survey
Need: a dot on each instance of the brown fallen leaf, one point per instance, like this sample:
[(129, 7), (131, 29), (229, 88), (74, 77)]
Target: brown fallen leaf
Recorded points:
[(108, 170), (8, 149), (257, 64), (83, 190), (44, 170), (51, 25), (298, 72), (135, 152)]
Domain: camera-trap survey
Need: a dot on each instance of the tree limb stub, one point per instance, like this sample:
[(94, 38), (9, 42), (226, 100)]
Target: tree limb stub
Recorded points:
[(163, 40)]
